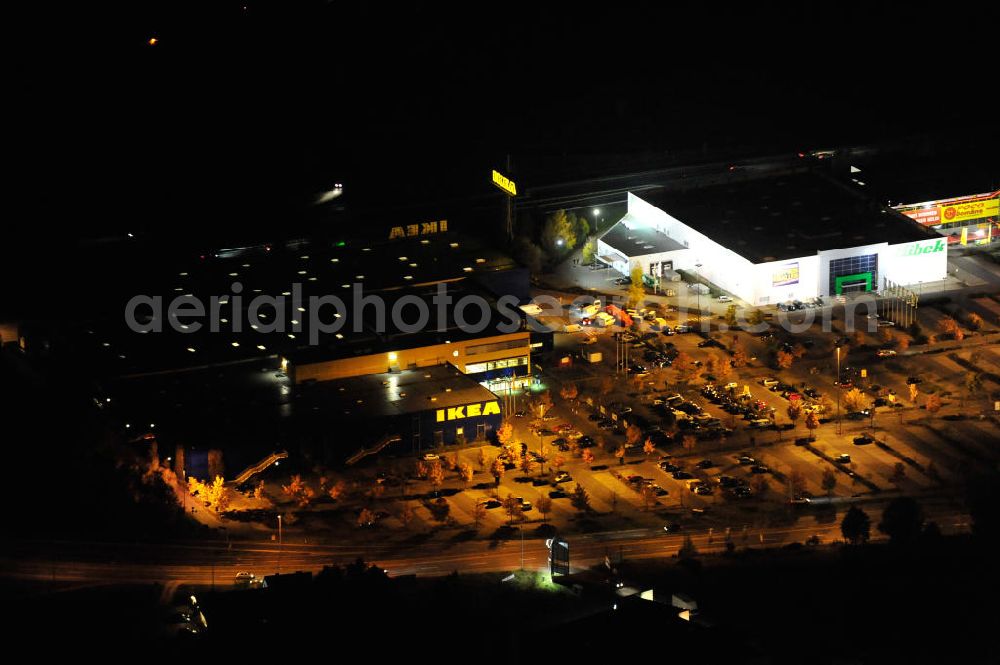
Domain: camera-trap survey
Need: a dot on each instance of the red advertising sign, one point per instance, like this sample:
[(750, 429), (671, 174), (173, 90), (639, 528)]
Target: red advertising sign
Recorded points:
[(925, 216)]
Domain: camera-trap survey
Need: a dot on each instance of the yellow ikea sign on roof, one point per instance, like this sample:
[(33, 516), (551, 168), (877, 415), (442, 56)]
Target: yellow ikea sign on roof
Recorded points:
[(468, 411), (504, 183)]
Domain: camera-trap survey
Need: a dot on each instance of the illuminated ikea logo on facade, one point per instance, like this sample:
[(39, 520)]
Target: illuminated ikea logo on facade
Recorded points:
[(423, 229), (918, 249), (468, 411), (504, 183)]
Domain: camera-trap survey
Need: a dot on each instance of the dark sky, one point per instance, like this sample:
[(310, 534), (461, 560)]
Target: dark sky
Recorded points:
[(237, 116)]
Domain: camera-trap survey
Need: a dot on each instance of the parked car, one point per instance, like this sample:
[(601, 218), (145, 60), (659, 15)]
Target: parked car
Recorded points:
[(562, 477), (430, 457), (885, 353), (863, 440), (725, 298), (843, 458)]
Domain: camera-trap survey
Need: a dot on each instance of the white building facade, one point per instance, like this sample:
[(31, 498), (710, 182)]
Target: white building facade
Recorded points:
[(827, 272)]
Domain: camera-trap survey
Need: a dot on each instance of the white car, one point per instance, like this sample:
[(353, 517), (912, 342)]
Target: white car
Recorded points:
[(724, 298), (430, 457), (885, 353)]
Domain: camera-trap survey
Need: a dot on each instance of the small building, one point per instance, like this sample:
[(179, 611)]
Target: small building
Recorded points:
[(427, 408)]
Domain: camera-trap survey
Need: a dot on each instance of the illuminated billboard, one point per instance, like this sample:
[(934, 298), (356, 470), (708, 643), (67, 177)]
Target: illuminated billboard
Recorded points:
[(786, 276), (954, 211), (504, 183)]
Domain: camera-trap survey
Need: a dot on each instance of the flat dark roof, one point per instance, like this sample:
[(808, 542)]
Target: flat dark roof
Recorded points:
[(638, 240), (788, 216), (394, 393)]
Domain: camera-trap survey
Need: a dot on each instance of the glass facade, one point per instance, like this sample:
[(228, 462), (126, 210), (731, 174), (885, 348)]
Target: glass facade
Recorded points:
[(853, 265)]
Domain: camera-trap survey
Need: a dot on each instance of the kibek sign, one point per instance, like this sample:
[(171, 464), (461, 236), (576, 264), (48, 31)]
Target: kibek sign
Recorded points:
[(468, 411), (920, 248)]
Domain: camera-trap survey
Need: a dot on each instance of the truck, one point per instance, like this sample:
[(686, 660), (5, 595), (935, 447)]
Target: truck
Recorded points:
[(618, 313), (593, 356), (603, 320)]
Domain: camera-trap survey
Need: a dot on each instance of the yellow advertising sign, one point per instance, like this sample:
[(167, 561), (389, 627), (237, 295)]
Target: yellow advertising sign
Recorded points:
[(504, 183), (786, 275), (960, 212), (468, 411), (422, 229)]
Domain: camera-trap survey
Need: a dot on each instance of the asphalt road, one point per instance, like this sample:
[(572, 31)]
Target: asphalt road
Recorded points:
[(201, 564)]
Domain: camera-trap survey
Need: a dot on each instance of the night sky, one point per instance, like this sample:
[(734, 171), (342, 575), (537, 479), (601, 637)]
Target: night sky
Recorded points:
[(239, 115)]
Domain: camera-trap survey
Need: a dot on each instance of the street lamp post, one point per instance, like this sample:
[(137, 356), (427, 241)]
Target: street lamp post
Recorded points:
[(698, 291), (279, 544), (839, 431)]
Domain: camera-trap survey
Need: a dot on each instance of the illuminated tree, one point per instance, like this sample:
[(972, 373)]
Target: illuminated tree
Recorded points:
[(636, 290), (794, 411), (856, 526), (914, 392), (527, 464), (783, 359), (482, 459), (218, 495), (569, 391), (902, 342), (512, 507), (465, 472), (755, 317), (739, 358), (558, 461), (559, 233), (855, 400), (579, 499), (298, 491), (731, 318), (336, 490), (588, 456), (435, 475), (366, 518), (505, 433), (632, 435), (689, 442), (886, 335), (949, 326), (497, 468), (898, 473), (544, 505), (974, 321), (648, 448), (589, 251), (812, 424), (620, 454)]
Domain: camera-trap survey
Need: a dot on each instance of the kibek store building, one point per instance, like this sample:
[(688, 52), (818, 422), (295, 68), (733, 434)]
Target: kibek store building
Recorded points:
[(793, 236)]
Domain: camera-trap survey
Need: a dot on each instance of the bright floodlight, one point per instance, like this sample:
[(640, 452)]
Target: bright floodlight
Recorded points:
[(597, 211)]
